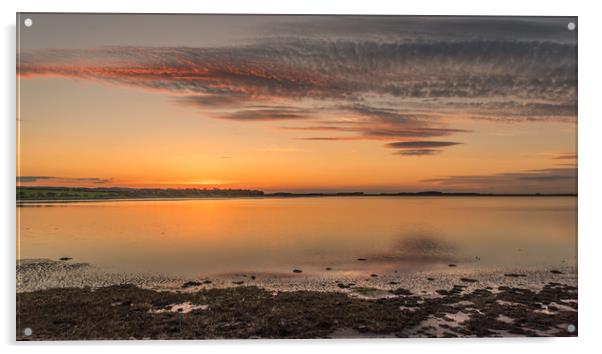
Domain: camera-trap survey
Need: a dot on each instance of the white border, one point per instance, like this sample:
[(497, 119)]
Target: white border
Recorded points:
[(590, 176)]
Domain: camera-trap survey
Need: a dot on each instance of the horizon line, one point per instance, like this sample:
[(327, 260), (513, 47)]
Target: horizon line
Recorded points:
[(317, 193)]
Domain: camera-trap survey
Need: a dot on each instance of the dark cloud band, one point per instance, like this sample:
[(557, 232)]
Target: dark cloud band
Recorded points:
[(420, 144), (33, 179), (562, 179)]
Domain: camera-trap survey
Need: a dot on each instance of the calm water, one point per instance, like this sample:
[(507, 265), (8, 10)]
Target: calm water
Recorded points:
[(193, 237)]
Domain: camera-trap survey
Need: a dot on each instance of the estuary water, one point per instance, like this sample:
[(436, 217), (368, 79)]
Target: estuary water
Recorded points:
[(345, 234)]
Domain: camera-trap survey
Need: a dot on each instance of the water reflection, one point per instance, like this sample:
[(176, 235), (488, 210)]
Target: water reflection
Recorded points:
[(419, 249), (272, 235)]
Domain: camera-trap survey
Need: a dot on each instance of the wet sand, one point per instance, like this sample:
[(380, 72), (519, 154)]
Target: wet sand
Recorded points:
[(71, 300)]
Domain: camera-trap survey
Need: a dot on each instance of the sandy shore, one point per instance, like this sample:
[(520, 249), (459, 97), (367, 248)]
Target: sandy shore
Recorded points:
[(70, 300), (40, 274)]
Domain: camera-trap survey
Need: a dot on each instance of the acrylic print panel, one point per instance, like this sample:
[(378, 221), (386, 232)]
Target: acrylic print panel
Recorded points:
[(228, 176)]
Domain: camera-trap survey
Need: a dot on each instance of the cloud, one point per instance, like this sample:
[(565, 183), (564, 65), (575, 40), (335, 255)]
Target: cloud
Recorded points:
[(327, 138), (566, 157), (544, 178), (418, 152), (420, 144), (563, 179), (385, 115), (320, 128), (430, 28), (33, 179), (413, 132), (419, 148), (28, 179), (369, 129), (474, 74), (383, 134), (390, 78), (211, 100), (267, 114)]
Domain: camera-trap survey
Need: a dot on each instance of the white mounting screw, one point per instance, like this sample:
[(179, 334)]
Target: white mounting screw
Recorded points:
[(571, 328)]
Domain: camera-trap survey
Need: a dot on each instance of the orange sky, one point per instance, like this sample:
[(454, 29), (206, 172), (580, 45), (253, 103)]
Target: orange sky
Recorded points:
[(321, 111)]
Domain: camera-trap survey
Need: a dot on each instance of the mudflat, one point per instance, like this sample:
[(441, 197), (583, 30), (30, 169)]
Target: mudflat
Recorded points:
[(81, 306)]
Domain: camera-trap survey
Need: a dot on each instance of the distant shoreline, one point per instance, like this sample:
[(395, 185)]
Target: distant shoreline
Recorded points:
[(35, 201), (67, 194)]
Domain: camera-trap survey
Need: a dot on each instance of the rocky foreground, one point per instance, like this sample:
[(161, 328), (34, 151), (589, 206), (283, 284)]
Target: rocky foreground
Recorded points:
[(129, 312), (65, 300)]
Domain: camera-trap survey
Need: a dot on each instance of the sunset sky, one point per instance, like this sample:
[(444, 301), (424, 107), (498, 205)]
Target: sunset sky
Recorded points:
[(298, 103)]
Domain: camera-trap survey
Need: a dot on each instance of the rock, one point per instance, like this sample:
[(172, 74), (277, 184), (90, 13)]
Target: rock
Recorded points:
[(451, 265), (393, 283), (553, 271), (362, 259), (514, 275), (238, 282), (328, 268), (65, 259), (343, 286), (297, 271), (253, 277), (468, 280), (430, 279), (206, 281), (240, 312), (374, 275), (401, 291), (190, 284)]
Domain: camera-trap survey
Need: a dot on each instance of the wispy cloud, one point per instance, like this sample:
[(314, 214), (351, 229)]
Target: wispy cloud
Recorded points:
[(418, 152), (420, 144), (391, 84), (328, 138), (268, 114), (563, 179), (473, 72), (566, 157), (419, 148), (34, 179)]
